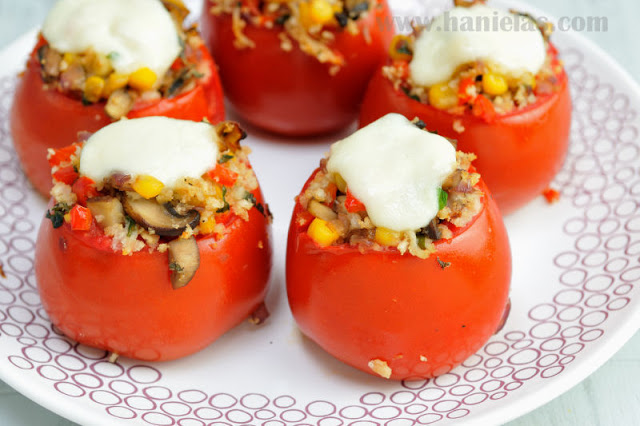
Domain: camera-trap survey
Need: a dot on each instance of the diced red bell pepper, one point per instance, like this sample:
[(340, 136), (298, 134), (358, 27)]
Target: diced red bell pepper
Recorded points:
[(66, 175), (332, 191), (81, 218), (223, 176), (483, 108), (63, 154), (352, 204), (84, 188), (551, 195), (465, 92)]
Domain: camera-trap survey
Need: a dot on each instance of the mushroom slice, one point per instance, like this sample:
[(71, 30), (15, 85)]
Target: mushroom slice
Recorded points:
[(153, 216), (184, 261), (107, 210)]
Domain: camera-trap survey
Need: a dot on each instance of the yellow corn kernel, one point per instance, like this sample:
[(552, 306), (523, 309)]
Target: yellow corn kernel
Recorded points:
[(442, 96), (93, 88), (340, 183), (321, 11), (322, 233), (387, 237), (114, 82), (494, 84), (67, 217), (69, 58), (143, 79), (208, 226), (305, 14), (147, 186)]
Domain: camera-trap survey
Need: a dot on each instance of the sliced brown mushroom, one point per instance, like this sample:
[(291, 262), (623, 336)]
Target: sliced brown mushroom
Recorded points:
[(107, 210), (184, 261), (230, 134), (153, 216)]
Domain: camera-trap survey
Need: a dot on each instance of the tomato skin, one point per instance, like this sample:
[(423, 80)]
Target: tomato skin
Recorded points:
[(44, 118), (125, 304), (518, 153), (292, 93), (382, 305)]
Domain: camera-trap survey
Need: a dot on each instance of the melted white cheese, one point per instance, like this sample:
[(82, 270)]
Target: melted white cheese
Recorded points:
[(134, 33), (164, 148), (395, 169), (448, 43)]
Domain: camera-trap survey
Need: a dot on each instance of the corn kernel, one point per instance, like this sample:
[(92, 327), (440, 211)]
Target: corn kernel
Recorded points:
[(494, 84), (147, 186), (321, 11), (208, 226), (143, 79), (114, 82), (93, 88), (67, 217), (322, 233), (69, 57), (340, 183), (387, 237), (442, 96)]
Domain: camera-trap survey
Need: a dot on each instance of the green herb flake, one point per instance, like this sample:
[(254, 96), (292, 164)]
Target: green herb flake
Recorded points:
[(252, 199), (224, 158), (443, 197), (175, 267), (404, 49), (226, 206), (113, 56), (443, 265), (56, 214), (131, 225)]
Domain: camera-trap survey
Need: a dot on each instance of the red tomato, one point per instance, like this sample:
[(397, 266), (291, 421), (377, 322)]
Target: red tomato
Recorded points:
[(125, 304), (518, 153), (400, 309), (42, 118), (292, 93)]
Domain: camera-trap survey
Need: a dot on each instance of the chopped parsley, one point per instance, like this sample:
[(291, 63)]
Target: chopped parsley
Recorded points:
[(224, 158), (252, 199), (443, 197), (226, 206), (56, 214), (131, 224)]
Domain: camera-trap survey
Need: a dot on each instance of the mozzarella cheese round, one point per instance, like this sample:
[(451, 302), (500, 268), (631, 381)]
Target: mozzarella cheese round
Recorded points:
[(464, 35), (164, 148), (134, 33), (396, 170)]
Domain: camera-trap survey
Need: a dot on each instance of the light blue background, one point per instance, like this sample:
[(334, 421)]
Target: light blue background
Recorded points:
[(609, 397)]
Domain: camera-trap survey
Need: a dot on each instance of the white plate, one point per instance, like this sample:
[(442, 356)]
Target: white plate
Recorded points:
[(574, 304)]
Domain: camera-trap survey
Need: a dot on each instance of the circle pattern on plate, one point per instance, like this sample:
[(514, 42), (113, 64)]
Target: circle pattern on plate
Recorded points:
[(596, 276)]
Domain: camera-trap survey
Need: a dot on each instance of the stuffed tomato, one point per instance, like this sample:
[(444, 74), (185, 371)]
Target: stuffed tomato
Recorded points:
[(297, 67), (503, 94), (96, 62), (398, 262), (156, 241)]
